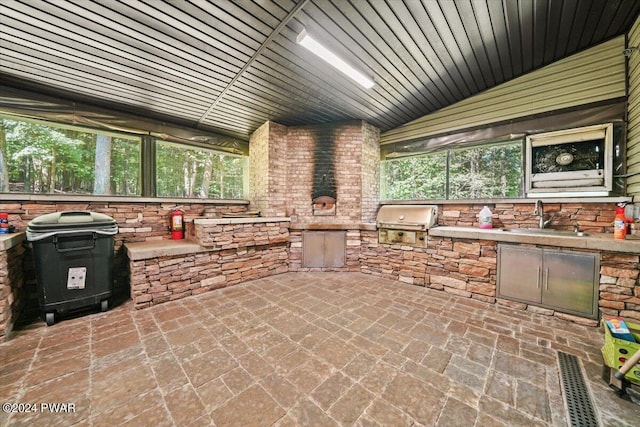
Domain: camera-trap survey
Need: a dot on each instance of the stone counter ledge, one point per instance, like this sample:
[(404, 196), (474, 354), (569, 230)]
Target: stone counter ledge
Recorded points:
[(167, 270), (8, 241), (225, 221), (137, 251), (300, 226), (595, 241)]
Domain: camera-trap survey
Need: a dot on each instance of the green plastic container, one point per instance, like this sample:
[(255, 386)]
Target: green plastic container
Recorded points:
[(616, 351)]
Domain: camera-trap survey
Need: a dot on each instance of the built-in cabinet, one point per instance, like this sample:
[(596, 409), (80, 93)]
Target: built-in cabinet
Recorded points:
[(324, 249), (565, 281)]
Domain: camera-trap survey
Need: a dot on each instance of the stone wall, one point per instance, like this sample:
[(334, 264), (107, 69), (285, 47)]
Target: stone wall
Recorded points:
[(462, 267), (259, 168), (216, 234), (395, 262), (348, 147), (591, 217), (12, 293), (300, 173), (282, 180), (268, 153), (225, 253), (619, 286), (349, 141), (137, 222), (468, 268), (370, 173), (161, 279)]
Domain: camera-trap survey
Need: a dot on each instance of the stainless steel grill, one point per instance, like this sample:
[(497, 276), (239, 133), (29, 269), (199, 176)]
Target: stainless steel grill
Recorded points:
[(405, 224)]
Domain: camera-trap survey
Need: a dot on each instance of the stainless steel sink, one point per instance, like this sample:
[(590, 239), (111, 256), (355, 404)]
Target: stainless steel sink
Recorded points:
[(545, 232)]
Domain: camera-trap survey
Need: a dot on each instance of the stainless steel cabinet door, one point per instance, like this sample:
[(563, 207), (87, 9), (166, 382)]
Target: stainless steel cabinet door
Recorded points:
[(569, 281), (335, 249), (519, 270), (323, 249), (313, 249)]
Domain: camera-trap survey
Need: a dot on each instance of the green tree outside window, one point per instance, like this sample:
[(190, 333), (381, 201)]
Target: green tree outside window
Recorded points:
[(490, 171)]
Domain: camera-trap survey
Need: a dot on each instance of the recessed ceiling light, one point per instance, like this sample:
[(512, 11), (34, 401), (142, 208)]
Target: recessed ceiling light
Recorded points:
[(305, 40)]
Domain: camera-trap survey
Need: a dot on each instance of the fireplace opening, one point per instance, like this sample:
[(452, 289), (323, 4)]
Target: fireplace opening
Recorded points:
[(324, 205), (324, 184)]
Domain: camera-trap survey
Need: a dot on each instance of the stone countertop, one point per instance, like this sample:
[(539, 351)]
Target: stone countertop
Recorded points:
[(158, 248), (8, 241), (247, 220), (596, 241), (320, 226)]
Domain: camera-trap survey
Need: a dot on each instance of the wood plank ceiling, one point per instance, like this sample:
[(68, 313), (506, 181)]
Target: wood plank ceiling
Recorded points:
[(229, 66)]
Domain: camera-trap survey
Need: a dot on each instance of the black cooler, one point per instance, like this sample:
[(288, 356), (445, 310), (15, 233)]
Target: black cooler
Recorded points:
[(73, 253)]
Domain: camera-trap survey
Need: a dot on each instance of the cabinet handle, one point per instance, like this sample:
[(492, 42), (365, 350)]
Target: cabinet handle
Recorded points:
[(546, 279), (538, 279)]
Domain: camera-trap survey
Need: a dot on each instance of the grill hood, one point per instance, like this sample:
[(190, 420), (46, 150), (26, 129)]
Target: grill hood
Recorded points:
[(407, 217)]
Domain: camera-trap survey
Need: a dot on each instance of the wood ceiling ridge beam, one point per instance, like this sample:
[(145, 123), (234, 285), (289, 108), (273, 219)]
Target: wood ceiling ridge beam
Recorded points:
[(257, 53)]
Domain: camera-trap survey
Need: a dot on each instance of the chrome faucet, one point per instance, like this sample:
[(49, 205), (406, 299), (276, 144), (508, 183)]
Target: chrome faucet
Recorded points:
[(539, 210)]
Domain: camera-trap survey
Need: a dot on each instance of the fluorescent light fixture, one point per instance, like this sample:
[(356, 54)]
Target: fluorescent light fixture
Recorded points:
[(305, 40)]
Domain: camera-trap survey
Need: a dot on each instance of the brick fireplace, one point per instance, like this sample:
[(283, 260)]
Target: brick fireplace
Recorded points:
[(293, 166)]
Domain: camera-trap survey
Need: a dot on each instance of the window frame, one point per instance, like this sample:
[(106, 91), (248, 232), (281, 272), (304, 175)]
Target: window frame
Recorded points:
[(147, 171), (84, 129), (447, 172), (245, 165)]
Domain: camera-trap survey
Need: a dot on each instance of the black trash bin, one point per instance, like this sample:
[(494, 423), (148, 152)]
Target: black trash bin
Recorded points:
[(73, 254)]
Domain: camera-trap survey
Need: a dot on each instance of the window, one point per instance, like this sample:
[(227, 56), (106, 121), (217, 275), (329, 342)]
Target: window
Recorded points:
[(489, 171), (183, 171), (415, 178), (40, 157), (486, 172)]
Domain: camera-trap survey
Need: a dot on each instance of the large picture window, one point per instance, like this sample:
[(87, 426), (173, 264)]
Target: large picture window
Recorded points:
[(40, 157), (415, 178), (183, 171), (488, 171)]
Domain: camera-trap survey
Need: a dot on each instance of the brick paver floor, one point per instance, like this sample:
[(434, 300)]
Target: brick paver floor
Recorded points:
[(309, 349)]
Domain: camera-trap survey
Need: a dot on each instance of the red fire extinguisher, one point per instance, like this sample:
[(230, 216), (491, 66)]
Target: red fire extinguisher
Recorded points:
[(176, 224)]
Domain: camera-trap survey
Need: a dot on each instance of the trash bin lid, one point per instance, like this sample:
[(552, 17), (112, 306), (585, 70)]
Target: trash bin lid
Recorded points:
[(71, 220)]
